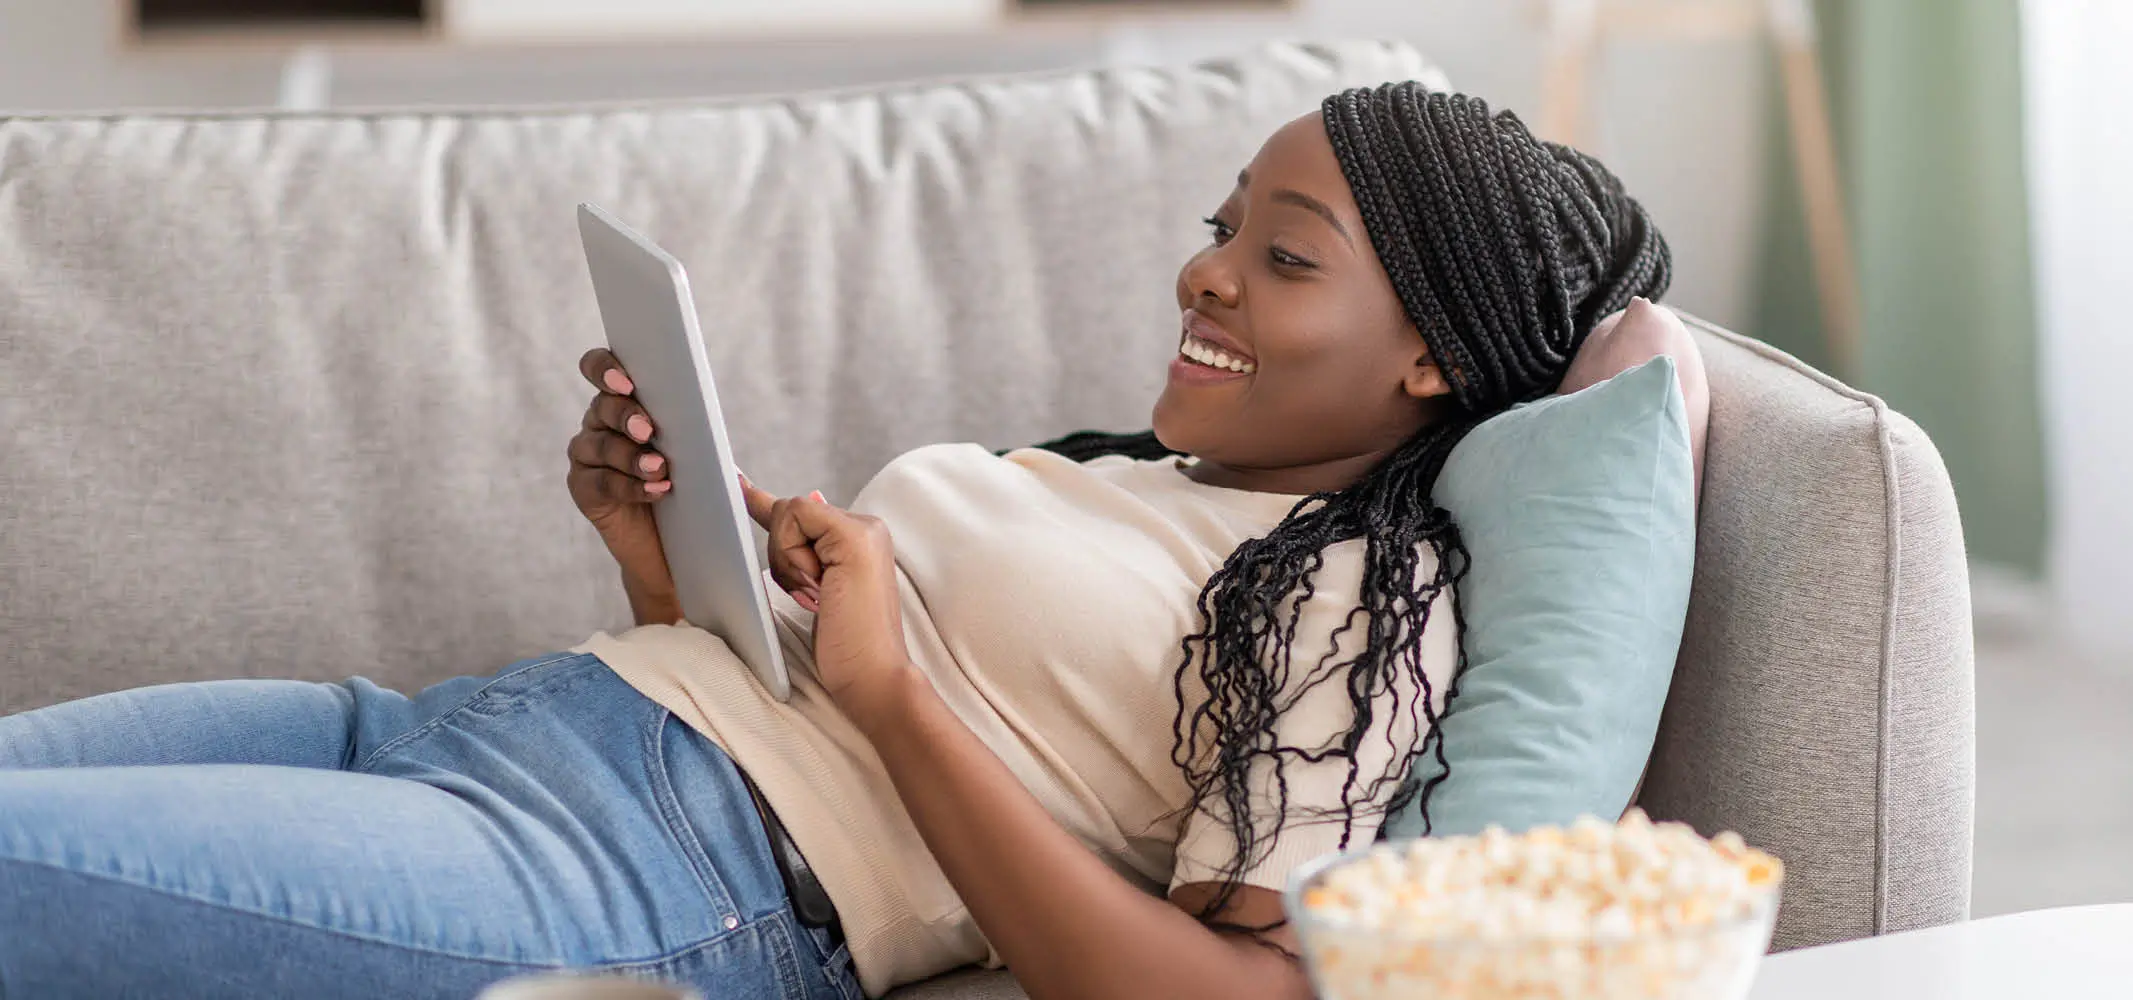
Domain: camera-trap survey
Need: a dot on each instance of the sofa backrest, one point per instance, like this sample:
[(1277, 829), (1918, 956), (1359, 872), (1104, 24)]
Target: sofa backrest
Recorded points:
[(288, 396)]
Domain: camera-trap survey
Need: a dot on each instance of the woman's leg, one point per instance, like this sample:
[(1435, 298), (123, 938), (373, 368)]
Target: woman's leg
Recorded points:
[(553, 817), (291, 723), (283, 723), (204, 881)]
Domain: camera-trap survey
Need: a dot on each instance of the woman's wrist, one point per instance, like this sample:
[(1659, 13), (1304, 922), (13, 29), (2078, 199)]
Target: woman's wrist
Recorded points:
[(650, 605)]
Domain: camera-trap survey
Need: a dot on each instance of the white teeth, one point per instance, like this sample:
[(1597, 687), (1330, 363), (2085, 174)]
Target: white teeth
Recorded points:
[(1213, 357)]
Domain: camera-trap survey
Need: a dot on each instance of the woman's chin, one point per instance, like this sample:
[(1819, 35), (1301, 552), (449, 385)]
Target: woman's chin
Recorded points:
[(1164, 439), (1165, 422), (1177, 427)]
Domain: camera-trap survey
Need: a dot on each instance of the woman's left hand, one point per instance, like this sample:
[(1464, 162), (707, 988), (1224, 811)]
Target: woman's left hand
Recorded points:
[(843, 567)]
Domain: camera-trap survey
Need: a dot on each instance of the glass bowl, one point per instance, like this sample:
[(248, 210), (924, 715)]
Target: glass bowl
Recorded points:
[(1346, 961)]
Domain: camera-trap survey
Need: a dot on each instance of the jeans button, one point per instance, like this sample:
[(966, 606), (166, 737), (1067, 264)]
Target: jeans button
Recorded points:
[(732, 922)]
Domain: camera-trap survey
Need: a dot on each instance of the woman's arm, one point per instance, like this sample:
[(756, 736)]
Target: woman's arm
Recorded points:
[(1630, 338), (1068, 925), (650, 604)]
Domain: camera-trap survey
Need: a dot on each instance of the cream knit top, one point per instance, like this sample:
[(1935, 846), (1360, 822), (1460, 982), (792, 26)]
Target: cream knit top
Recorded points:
[(1047, 601)]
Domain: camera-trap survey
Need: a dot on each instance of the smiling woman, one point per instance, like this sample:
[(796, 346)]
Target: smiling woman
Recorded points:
[(1099, 774), (1370, 360)]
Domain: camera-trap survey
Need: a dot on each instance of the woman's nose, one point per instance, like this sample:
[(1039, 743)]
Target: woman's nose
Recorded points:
[(1209, 275)]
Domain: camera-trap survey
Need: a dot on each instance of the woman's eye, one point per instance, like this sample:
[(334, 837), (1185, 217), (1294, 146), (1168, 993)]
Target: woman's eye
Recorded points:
[(1283, 258), (1221, 229)]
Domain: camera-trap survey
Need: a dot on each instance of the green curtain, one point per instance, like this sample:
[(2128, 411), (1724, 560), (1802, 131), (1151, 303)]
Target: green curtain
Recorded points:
[(1926, 103)]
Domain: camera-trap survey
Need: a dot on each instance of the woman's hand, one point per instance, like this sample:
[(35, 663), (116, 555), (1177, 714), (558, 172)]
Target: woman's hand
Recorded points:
[(842, 566), (1633, 336), (615, 477)]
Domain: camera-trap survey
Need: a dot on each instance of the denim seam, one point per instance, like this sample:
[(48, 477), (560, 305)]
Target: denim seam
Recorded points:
[(648, 963), (789, 958), (431, 726), (834, 960), (847, 973), (833, 971), (667, 962), (555, 684), (678, 826)]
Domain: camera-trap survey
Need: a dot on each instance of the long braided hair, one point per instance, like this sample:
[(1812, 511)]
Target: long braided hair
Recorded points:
[(1504, 250)]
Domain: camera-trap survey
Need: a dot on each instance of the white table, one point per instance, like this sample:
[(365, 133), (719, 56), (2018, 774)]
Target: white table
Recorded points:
[(2066, 954)]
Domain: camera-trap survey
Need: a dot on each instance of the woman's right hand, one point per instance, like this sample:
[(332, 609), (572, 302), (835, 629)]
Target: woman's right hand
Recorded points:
[(615, 478)]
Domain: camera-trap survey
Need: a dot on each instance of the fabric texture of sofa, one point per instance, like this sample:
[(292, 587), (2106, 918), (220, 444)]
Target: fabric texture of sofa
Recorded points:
[(286, 395)]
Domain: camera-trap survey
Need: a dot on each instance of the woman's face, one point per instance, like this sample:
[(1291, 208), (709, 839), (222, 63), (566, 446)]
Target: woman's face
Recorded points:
[(1324, 374)]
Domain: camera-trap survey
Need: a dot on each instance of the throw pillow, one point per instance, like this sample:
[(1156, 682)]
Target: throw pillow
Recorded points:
[(1579, 514)]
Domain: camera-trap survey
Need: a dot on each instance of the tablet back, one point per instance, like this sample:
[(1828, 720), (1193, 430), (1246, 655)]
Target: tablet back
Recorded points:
[(703, 524)]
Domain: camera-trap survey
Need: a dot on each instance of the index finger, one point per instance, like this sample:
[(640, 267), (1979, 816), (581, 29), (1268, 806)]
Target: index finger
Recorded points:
[(760, 501), (600, 367), (817, 517)]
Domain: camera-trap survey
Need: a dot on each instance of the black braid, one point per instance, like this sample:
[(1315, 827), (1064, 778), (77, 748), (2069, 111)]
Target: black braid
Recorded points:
[(1504, 250)]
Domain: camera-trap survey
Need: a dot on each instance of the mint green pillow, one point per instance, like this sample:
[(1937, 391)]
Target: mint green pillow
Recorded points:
[(1579, 514)]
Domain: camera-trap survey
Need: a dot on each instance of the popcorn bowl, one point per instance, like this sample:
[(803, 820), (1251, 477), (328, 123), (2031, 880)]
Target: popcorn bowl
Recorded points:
[(1364, 957)]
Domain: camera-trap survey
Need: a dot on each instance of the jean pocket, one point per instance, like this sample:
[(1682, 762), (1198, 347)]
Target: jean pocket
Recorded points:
[(713, 821)]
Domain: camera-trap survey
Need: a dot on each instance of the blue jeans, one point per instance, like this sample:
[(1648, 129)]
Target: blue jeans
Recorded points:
[(290, 839)]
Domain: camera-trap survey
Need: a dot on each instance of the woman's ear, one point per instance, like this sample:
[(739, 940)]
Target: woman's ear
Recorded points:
[(1425, 380)]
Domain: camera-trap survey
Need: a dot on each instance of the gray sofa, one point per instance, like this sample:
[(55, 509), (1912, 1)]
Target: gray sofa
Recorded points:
[(287, 396)]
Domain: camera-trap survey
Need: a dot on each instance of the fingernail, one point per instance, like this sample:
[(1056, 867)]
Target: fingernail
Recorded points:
[(817, 497), (651, 463), (744, 477), (618, 382), (640, 428), (659, 488), (805, 601)]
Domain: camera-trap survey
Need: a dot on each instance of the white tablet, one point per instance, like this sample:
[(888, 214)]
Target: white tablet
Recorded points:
[(703, 524)]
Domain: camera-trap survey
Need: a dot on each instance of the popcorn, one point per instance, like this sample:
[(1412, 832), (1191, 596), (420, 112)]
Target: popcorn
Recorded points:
[(1635, 909)]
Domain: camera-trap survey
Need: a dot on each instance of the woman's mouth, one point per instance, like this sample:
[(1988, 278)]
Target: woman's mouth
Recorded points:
[(1200, 352), (1201, 363), (1208, 353)]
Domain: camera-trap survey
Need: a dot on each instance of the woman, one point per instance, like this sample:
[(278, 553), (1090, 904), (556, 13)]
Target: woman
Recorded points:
[(1083, 714)]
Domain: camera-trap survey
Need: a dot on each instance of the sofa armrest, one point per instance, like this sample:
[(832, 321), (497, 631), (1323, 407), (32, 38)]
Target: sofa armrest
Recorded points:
[(1823, 703)]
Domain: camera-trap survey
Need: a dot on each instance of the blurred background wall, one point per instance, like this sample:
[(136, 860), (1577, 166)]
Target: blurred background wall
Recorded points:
[(1656, 102)]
